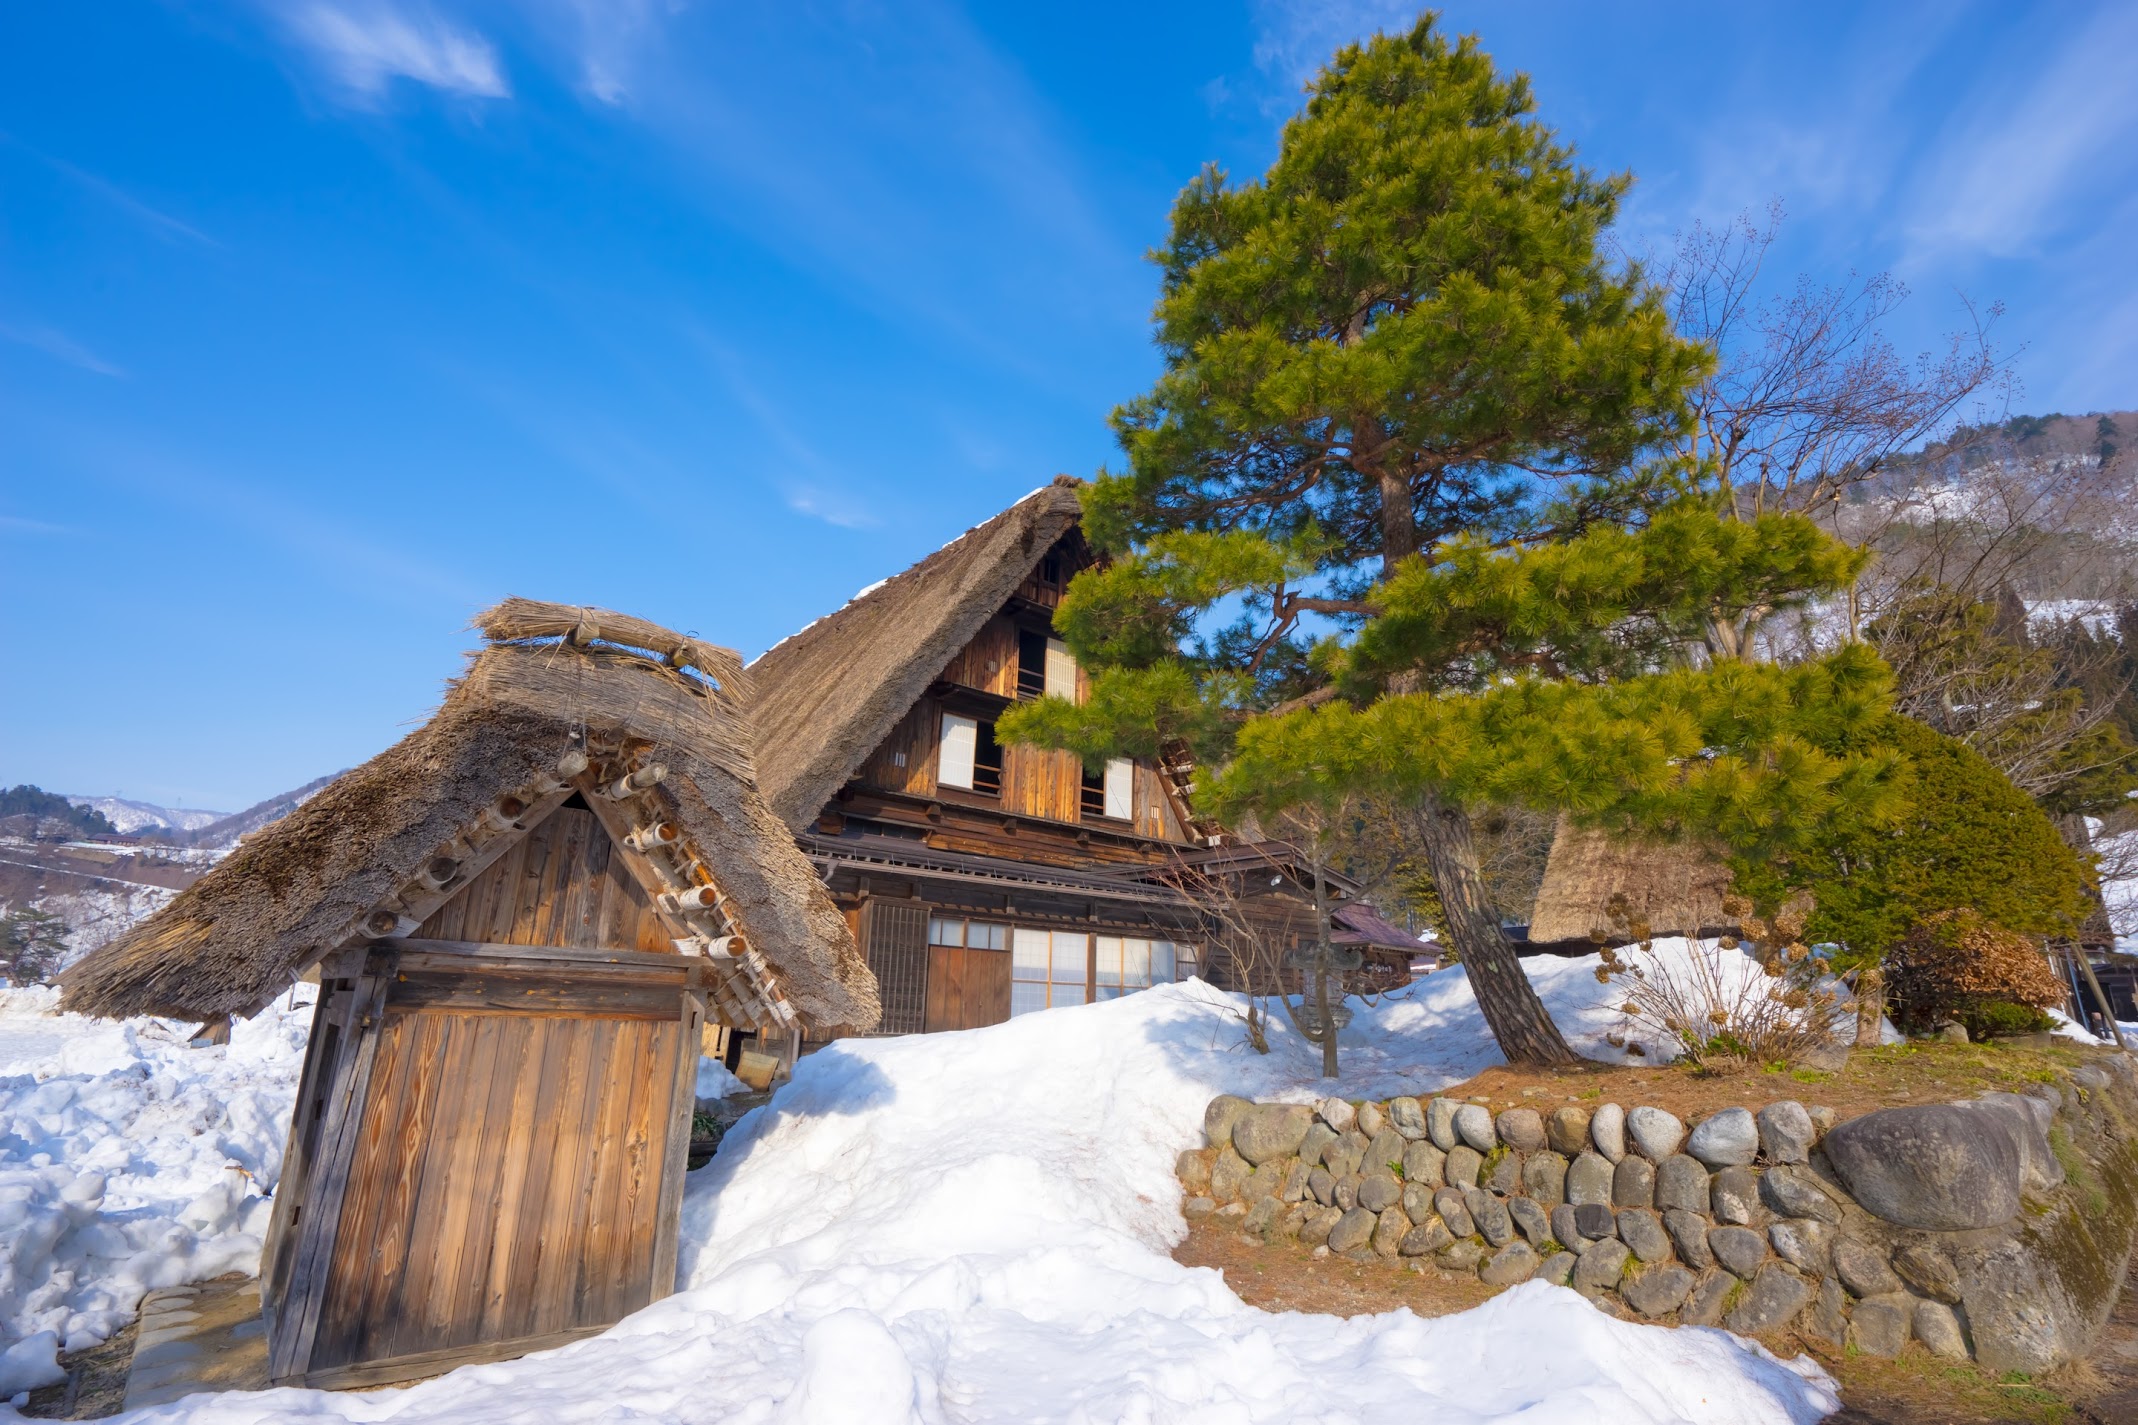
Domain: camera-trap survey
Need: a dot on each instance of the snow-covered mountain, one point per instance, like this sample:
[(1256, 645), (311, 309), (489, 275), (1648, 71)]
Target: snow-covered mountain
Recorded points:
[(131, 816), (225, 831)]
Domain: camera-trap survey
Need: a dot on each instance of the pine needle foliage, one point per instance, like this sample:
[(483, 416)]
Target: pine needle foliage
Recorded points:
[(1386, 529)]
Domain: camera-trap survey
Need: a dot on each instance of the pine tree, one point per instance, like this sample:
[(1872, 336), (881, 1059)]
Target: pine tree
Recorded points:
[(1403, 390)]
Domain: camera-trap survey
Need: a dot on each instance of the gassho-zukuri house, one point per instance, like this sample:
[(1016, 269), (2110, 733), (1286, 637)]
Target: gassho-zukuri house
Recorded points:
[(986, 880)]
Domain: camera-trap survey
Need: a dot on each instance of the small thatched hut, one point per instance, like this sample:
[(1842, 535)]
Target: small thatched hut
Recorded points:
[(1674, 888), (522, 915)]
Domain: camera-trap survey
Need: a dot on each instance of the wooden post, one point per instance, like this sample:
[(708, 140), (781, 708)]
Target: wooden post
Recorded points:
[(2108, 1010)]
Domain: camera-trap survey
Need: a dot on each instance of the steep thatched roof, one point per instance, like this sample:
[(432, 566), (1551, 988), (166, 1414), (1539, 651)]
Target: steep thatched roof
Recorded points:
[(1676, 888), (827, 697), (555, 685)]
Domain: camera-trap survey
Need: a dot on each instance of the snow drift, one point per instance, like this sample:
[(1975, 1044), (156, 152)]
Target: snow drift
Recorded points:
[(975, 1227)]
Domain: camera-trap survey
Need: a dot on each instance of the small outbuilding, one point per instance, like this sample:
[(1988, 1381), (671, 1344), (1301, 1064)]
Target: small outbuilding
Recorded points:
[(522, 916), (1673, 888)]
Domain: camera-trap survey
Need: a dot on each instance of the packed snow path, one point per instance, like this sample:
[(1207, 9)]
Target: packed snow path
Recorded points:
[(975, 1226)]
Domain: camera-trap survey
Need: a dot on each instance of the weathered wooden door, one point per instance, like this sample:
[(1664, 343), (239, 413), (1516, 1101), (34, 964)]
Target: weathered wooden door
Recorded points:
[(503, 1167), (967, 987)]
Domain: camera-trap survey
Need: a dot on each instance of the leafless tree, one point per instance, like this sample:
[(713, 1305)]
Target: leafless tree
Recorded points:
[(1259, 943), (1809, 399), (1809, 396)]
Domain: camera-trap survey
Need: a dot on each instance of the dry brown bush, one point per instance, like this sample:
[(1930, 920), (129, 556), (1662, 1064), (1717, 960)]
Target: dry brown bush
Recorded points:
[(1762, 999), (1955, 961)]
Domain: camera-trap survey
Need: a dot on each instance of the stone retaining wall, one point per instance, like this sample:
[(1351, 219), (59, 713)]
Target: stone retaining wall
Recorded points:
[(1997, 1228)]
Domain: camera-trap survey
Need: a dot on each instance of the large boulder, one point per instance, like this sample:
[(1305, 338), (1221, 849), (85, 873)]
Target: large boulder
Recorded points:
[(2029, 1119), (1218, 1118), (1729, 1139), (1936, 1166), (1271, 1130)]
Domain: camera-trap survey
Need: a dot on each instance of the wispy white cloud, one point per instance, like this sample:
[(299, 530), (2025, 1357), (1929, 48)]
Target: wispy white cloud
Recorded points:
[(1295, 38), (58, 345), (16, 524), (832, 509), (606, 40), (154, 219), (2014, 168), (813, 486), (365, 47)]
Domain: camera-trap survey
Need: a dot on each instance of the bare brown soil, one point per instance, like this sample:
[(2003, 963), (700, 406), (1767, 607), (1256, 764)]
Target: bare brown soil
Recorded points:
[(95, 1385), (1915, 1072)]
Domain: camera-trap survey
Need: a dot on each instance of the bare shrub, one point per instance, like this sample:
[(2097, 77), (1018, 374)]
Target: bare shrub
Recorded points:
[(1955, 964), (1765, 1000)]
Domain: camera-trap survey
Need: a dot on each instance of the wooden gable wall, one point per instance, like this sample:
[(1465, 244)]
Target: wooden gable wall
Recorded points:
[(565, 884), (1036, 782)]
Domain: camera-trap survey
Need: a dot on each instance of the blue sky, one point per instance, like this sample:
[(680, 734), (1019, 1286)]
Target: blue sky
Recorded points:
[(324, 323)]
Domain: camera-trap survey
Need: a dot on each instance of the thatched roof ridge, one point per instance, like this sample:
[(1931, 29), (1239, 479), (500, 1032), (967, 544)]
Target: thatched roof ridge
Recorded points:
[(828, 696), (1675, 887), (305, 885)]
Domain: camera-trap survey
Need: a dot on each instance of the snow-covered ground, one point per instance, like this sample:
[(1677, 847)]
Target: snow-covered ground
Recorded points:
[(957, 1227), (128, 1161)]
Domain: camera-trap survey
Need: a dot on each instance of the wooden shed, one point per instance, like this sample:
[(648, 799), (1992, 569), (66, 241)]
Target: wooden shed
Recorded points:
[(523, 915)]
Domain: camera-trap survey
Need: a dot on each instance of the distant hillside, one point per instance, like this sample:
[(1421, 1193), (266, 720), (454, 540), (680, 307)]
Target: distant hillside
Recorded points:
[(131, 818), (33, 811), (2099, 438), (225, 833)]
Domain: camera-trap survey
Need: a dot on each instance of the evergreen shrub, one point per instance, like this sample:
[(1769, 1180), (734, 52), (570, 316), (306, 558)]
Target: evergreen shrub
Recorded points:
[(1970, 840)]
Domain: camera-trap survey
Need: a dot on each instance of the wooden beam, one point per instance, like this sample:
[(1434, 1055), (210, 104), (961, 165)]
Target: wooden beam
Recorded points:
[(668, 1208), (324, 1195)]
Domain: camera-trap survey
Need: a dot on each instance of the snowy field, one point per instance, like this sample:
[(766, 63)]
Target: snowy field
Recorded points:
[(961, 1227)]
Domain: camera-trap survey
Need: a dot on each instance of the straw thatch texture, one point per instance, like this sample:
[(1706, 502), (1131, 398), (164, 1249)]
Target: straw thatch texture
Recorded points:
[(299, 888), (1676, 888), (827, 697)]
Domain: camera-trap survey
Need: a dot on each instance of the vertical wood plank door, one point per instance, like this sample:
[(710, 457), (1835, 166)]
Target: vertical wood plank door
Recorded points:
[(505, 1185), (967, 988)]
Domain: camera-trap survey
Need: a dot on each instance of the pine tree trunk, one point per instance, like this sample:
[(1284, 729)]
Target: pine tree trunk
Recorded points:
[(1518, 1018)]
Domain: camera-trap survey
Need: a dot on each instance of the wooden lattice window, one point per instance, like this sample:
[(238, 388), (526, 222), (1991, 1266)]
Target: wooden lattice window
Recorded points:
[(895, 939)]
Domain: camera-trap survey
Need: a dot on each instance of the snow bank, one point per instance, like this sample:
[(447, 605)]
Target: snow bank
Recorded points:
[(976, 1226), (129, 1161)]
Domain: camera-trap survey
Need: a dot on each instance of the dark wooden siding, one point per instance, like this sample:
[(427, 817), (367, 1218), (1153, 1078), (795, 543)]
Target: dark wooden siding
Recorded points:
[(989, 662), (564, 883), (1042, 783), (906, 760)]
